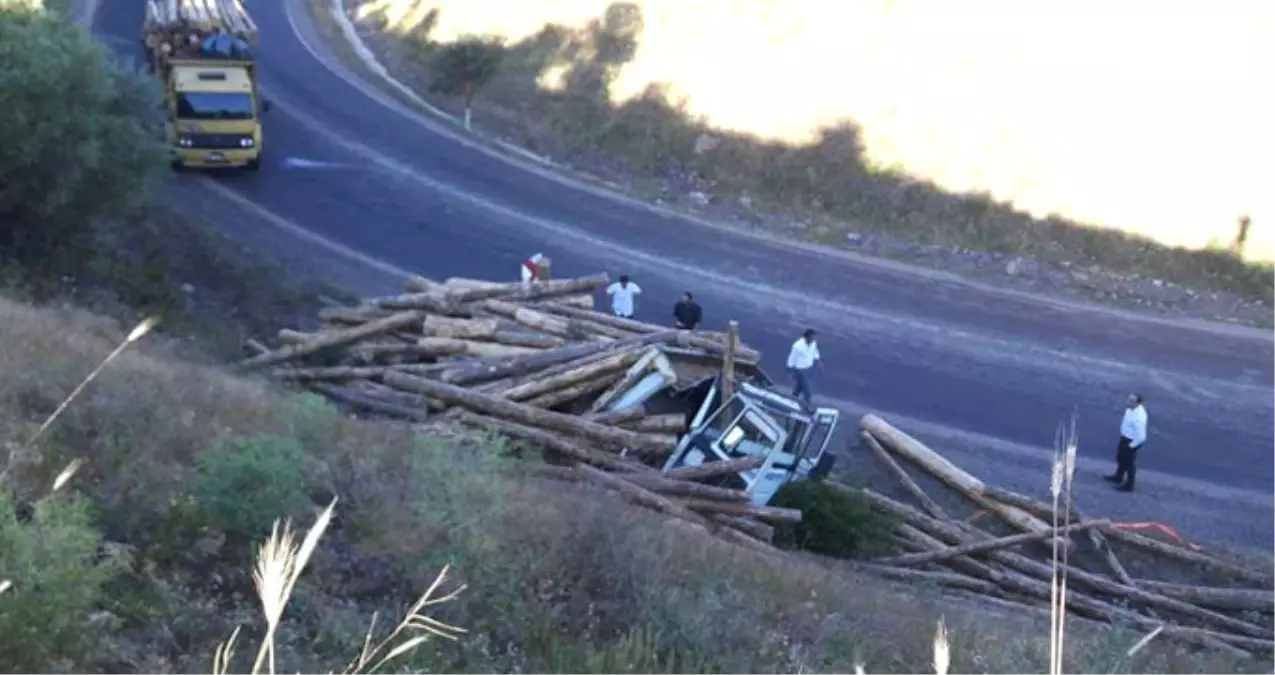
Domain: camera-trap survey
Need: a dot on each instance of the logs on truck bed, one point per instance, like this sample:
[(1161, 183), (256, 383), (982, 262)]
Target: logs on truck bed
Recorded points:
[(1021, 566)]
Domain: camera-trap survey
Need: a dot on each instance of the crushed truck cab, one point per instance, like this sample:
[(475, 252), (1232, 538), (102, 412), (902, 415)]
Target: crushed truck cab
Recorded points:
[(202, 52)]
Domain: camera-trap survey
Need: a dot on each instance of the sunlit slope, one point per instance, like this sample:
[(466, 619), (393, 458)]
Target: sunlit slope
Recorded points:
[(1151, 117)]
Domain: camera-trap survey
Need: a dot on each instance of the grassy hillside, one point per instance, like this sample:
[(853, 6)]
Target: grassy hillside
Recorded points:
[(141, 560)]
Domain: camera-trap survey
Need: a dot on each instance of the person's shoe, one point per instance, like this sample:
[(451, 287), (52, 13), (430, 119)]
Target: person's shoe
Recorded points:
[(1111, 479), (1124, 488)]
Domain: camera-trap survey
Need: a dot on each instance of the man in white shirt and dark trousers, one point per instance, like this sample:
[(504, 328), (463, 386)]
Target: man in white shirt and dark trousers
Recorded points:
[(622, 294), (1133, 433), (801, 360)]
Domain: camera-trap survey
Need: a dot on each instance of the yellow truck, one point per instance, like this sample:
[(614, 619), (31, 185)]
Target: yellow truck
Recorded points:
[(202, 51)]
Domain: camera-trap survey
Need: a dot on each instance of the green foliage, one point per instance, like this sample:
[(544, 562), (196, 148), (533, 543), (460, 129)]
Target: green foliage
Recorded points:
[(462, 67), (80, 134), (833, 523), (244, 483), (50, 559)]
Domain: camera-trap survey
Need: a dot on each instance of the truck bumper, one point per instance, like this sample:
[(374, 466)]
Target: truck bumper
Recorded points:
[(197, 158)]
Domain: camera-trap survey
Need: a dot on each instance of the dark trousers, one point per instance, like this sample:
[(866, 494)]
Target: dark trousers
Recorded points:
[(801, 385), (1126, 462)]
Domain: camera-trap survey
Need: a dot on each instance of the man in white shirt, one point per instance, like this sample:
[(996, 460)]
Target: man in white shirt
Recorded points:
[(530, 268), (1133, 433), (622, 294), (801, 361)]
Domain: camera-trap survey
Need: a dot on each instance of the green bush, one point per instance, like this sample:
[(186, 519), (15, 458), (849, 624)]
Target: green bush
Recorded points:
[(463, 67), (46, 616), (244, 483), (81, 138), (833, 523)]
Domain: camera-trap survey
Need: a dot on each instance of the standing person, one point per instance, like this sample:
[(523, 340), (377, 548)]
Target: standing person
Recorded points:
[(687, 313), (1133, 433), (801, 361), (622, 294)]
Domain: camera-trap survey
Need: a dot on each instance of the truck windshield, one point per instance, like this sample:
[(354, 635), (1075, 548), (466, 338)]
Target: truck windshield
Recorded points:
[(206, 105)]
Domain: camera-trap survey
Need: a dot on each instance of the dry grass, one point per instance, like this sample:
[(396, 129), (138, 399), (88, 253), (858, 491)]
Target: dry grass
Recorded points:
[(561, 578), (650, 90)]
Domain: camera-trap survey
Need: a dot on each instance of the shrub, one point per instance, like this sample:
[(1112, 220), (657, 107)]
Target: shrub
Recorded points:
[(244, 483), (833, 523), (45, 618), (463, 67), (80, 135)]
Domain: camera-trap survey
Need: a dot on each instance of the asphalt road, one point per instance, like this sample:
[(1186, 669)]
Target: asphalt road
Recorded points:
[(987, 373)]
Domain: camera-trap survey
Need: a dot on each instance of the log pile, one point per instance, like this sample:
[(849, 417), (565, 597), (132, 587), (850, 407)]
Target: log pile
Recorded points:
[(534, 363), (1227, 606)]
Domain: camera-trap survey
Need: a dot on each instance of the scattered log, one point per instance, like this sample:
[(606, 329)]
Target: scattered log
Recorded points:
[(352, 316), (368, 403), (743, 354), (419, 284), (575, 392), (475, 373), (657, 483), (1189, 556), (961, 563), (525, 414), (931, 506), (937, 465), (713, 469), (530, 318), (449, 327), (772, 514), (728, 360), (615, 362), (759, 531), (455, 347), (949, 579), (1217, 598), (554, 443), (618, 417), (289, 336), (632, 376), (672, 423), (520, 338), (337, 373), (698, 339), (333, 339), (431, 301), (639, 495), (986, 545), (519, 291)]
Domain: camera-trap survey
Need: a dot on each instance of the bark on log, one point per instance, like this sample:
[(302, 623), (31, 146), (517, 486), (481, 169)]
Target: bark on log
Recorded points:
[(432, 301), (728, 360), (916, 452), (419, 284), (655, 482), (475, 373), (949, 579), (499, 386), (713, 343), (569, 378), (759, 531), (543, 289), (450, 346), (635, 373), (743, 353), (1212, 596), (962, 563), (931, 506), (521, 338), (672, 423), (986, 545), (576, 392), (448, 327), (713, 469), (289, 336), (530, 318), (369, 403), (618, 417), (639, 495), (770, 514), (355, 372), (352, 316), (554, 443), (333, 339), (525, 414)]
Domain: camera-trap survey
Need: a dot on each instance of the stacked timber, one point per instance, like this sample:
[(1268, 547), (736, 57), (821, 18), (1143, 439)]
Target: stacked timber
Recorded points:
[(535, 363), (1022, 547)]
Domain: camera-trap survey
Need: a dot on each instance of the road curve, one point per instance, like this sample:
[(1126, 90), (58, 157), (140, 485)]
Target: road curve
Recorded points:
[(980, 363)]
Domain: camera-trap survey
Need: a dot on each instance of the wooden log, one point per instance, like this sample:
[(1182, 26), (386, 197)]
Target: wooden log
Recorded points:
[(759, 531), (525, 414), (1189, 556), (932, 507), (639, 495), (432, 301), (1214, 597), (693, 339), (352, 316), (632, 376), (476, 373), (949, 579), (289, 336), (575, 392), (925, 542), (530, 318), (543, 289), (450, 346), (370, 403), (672, 423), (915, 559), (728, 360), (419, 284), (355, 372), (499, 386), (522, 338), (770, 514), (615, 362), (713, 469), (553, 443), (618, 417), (654, 482), (333, 338), (449, 327), (916, 452)]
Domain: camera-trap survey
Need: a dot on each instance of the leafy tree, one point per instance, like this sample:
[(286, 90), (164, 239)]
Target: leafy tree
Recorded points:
[(463, 67), (80, 133)]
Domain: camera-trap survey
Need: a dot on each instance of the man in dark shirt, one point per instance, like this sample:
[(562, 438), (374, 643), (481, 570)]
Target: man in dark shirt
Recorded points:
[(687, 313)]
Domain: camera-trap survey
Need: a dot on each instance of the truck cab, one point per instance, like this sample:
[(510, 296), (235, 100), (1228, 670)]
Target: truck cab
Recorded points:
[(214, 113), (760, 422)]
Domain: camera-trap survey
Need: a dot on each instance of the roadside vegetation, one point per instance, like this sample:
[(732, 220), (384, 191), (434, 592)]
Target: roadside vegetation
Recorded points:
[(144, 488), (551, 96)]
